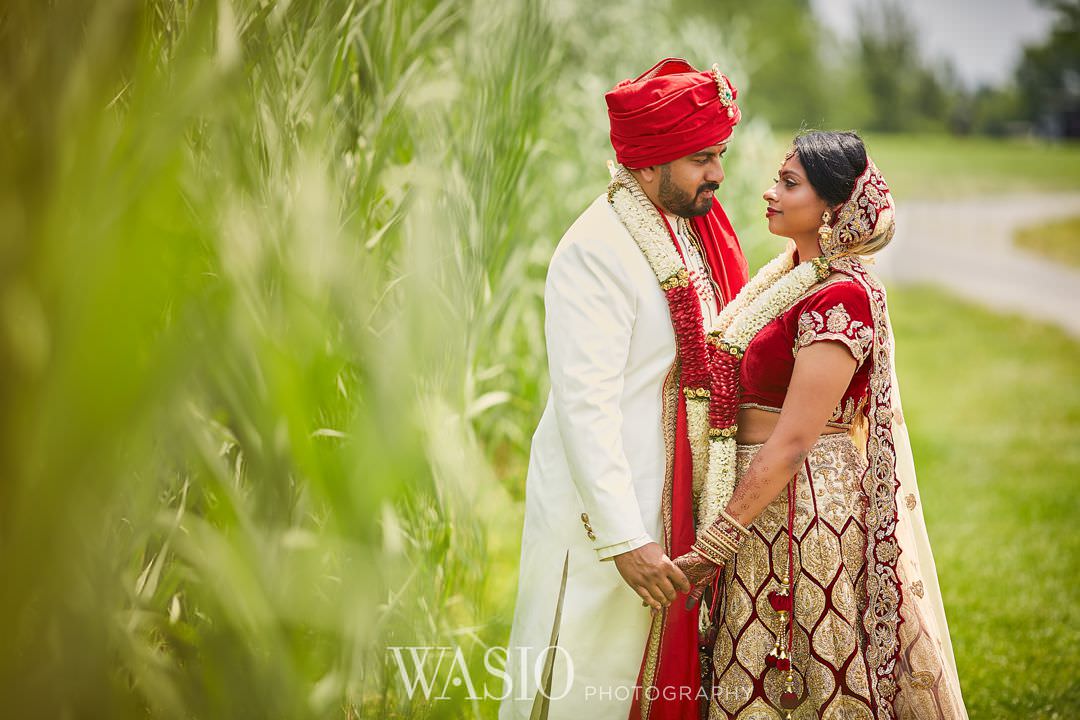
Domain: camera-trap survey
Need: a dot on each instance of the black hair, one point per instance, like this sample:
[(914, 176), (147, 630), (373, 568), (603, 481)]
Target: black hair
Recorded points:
[(833, 162)]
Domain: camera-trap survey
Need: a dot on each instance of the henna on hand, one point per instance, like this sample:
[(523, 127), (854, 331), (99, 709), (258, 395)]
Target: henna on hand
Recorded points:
[(699, 571)]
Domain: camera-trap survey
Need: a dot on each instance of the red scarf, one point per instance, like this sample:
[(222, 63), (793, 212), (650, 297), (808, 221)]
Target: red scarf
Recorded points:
[(670, 689)]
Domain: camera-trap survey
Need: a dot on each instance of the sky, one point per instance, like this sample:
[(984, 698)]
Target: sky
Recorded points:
[(983, 38)]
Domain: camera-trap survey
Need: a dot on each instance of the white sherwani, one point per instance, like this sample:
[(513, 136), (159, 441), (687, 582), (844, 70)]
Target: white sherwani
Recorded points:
[(596, 472)]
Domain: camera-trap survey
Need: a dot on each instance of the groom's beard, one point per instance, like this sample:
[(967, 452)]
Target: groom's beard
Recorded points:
[(679, 202)]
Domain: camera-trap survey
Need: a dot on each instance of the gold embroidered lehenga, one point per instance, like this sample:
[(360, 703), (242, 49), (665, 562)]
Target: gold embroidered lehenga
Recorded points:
[(867, 636), (828, 663)]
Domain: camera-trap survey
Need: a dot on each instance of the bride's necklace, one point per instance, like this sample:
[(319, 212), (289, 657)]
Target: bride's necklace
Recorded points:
[(710, 357)]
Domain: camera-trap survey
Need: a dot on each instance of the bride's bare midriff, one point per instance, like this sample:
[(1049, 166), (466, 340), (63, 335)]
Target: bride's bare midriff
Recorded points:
[(755, 426)]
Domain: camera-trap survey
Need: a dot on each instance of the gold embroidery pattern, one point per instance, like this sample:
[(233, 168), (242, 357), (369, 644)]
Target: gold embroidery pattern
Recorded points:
[(845, 411), (758, 406), (830, 666), (669, 416), (758, 710), (821, 286), (835, 325), (922, 692), (867, 214), (881, 618), (846, 708), (842, 417)]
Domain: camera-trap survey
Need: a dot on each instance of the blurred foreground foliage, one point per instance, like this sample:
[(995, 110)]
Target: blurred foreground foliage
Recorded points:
[(271, 336)]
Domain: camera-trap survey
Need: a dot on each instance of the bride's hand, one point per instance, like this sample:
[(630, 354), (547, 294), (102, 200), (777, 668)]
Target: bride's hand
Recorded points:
[(699, 571)]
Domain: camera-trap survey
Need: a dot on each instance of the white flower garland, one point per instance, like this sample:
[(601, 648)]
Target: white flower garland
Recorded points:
[(648, 229), (697, 428), (720, 484), (763, 278), (773, 289), (768, 303), (769, 293)]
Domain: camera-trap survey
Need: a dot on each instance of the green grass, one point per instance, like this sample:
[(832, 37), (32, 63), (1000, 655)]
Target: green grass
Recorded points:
[(939, 167), (993, 407), (1058, 240)]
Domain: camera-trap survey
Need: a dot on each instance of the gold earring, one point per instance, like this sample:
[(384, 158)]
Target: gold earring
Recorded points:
[(825, 231)]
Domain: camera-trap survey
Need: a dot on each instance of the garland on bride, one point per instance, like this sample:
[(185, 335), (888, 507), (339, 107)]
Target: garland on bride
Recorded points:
[(710, 356)]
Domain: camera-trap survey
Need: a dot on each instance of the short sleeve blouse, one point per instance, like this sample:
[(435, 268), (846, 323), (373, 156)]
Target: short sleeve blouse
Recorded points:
[(838, 310)]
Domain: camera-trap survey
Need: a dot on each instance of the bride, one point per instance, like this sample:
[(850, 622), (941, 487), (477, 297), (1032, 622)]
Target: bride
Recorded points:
[(811, 553)]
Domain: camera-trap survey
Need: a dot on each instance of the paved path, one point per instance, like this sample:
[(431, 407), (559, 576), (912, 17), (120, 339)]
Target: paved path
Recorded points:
[(966, 246)]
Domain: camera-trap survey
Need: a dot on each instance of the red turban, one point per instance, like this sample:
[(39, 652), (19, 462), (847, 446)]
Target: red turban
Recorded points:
[(669, 112)]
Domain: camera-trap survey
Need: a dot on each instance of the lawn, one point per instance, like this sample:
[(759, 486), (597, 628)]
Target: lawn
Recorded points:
[(943, 166), (993, 405), (1058, 240)]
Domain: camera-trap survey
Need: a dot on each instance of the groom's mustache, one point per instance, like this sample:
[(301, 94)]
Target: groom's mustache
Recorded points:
[(708, 186)]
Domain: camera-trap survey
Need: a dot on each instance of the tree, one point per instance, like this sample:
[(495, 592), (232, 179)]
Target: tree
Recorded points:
[(888, 52), (777, 43), (1048, 77)]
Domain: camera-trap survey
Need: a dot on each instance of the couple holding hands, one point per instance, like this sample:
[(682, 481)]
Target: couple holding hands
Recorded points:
[(722, 518)]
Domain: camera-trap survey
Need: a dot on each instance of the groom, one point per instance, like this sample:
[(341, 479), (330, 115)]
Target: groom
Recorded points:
[(608, 487)]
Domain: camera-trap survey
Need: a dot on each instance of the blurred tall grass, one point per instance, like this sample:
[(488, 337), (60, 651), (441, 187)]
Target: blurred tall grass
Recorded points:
[(271, 340)]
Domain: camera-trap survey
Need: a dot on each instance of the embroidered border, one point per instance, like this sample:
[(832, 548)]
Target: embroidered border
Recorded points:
[(769, 408), (755, 406), (868, 213), (836, 324), (882, 619), (669, 420)]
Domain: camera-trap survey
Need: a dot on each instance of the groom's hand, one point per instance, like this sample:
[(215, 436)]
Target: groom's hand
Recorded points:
[(652, 575)]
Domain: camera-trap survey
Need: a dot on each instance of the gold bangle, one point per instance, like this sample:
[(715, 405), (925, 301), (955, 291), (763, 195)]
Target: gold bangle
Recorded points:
[(719, 542), (715, 548), (735, 523)]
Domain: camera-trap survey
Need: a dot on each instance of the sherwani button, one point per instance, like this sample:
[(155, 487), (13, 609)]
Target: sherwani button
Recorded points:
[(585, 518), (591, 534)]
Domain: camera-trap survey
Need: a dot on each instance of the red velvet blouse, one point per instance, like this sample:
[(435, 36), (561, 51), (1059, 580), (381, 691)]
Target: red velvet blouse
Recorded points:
[(836, 310)]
